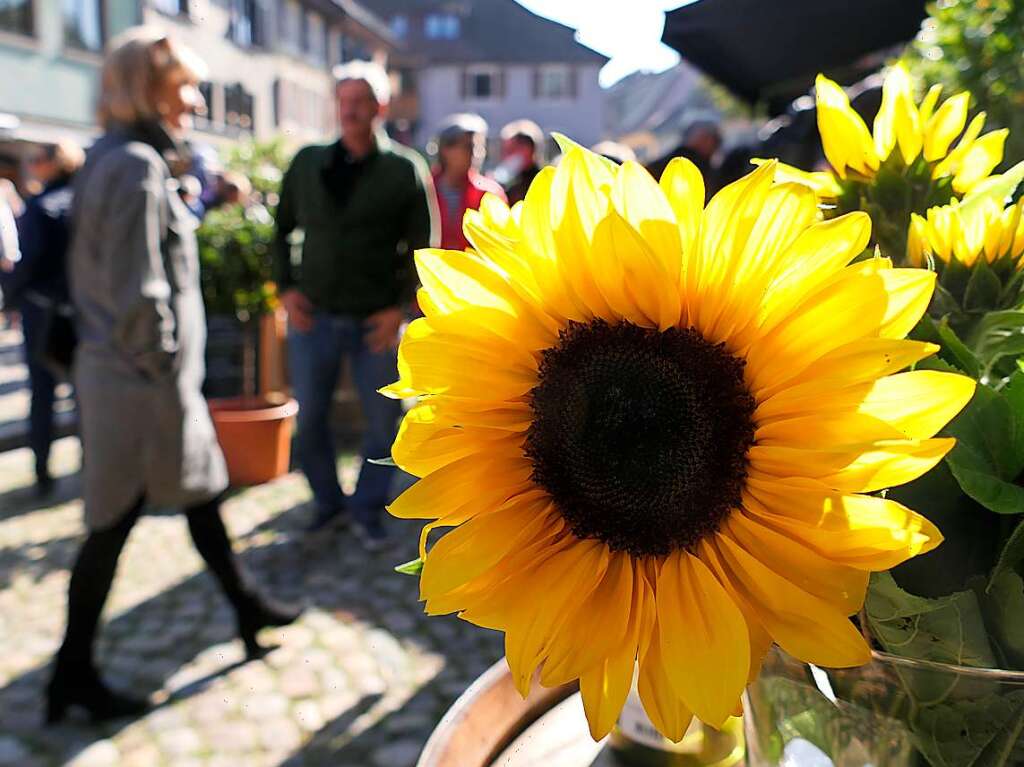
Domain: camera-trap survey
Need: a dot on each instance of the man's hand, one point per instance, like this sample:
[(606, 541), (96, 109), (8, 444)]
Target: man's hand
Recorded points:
[(382, 329), (300, 310)]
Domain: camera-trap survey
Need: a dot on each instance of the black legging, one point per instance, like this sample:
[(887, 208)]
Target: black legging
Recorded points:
[(94, 569)]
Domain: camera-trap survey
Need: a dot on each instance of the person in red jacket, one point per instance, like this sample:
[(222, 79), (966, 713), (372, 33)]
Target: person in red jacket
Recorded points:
[(459, 185)]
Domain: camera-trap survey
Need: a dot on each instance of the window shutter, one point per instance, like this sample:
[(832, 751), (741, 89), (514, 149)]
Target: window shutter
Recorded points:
[(463, 84), (536, 82), (573, 82), (500, 89)]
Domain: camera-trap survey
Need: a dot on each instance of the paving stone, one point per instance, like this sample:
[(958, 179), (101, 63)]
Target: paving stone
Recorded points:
[(307, 715), (264, 706), (363, 677), (102, 753)]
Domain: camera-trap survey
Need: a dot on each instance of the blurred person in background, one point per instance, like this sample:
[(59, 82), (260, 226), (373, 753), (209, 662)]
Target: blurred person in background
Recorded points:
[(146, 431), (614, 151), (37, 285), (522, 141), (701, 141), (461, 149), (10, 252), (365, 204)]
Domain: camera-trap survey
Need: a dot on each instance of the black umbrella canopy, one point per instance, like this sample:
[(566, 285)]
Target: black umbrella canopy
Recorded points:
[(770, 50)]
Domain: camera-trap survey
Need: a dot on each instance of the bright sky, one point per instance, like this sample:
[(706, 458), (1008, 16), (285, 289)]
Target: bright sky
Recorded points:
[(629, 31)]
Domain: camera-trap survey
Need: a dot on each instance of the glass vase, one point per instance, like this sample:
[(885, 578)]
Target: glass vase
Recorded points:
[(892, 712)]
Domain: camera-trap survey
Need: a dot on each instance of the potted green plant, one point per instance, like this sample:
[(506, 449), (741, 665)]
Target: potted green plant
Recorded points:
[(253, 421)]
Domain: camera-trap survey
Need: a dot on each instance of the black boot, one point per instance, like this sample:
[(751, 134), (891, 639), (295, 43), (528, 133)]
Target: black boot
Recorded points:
[(79, 685), (254, 611), (258, 613)]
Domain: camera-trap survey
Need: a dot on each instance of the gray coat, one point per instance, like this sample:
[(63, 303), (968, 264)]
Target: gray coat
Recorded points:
[(139, 367)]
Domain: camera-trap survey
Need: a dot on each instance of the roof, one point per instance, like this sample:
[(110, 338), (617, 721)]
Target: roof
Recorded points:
[(490, 30)]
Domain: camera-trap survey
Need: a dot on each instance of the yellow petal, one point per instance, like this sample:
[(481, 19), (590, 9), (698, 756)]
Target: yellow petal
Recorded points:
[(820, 252), (952, 161), (927, 108), (805, 626), (861, 531), (862, 468), (786, 213), (822, 183), (423, 446), (984, 155), (604, 688), (945, 125), (684, 189), (662, 704), (727, 225), (918, 403), (471, 483), (532, 610), (703, 639), (632, 278), (897, 121), (597, 627), (478, 544), (841, 586), (858, 362), (867, 300), (844, 136), (441, 363), (639, 200)]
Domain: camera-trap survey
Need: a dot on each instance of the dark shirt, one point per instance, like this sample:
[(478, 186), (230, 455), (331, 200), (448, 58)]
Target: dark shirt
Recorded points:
[(517, 188), (43, 234), (362, 219)]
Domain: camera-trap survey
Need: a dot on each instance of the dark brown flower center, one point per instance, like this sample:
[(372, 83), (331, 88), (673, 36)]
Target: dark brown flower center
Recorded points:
[(640, 436)]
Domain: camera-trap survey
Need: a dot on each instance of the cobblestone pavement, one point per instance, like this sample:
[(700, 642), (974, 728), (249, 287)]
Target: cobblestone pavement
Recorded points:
[(359, 681)]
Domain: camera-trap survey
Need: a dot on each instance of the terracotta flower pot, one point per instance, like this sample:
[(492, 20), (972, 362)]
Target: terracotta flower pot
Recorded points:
[(255, 434)]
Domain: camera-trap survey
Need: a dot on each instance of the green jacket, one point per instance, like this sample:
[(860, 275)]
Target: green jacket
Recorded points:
[(357, 248)]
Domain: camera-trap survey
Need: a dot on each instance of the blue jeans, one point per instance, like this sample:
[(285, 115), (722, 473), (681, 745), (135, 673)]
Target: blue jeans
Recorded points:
[(314, 361), (43, 385)]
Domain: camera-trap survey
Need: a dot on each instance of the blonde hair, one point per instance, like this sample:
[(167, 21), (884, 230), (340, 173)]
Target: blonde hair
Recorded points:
[(138, 62)]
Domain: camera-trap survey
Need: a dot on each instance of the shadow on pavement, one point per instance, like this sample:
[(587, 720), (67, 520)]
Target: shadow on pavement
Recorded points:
[(145, 648)]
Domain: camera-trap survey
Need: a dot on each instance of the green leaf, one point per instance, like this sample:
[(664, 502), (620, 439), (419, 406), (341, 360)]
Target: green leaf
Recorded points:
[(1003, 602), (960, 733), (956, 348), (983, 289), (1012, 555), (946, 630), (989, 435), (977, 477), (389, 461), (415, 567)]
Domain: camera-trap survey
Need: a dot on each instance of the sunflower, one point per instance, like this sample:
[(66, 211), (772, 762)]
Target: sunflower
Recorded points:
[(916, 131), (653, 428), (968, 234)]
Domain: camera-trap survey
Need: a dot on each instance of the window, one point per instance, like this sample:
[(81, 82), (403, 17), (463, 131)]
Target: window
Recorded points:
[(244, 28), (555, 81), (16, 16), (441, 26), (334, 47), (483, 83), (315, 38), (83, 24), (400, 26), (204, 117), (238, 108), (171, 7), (289, 25)]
